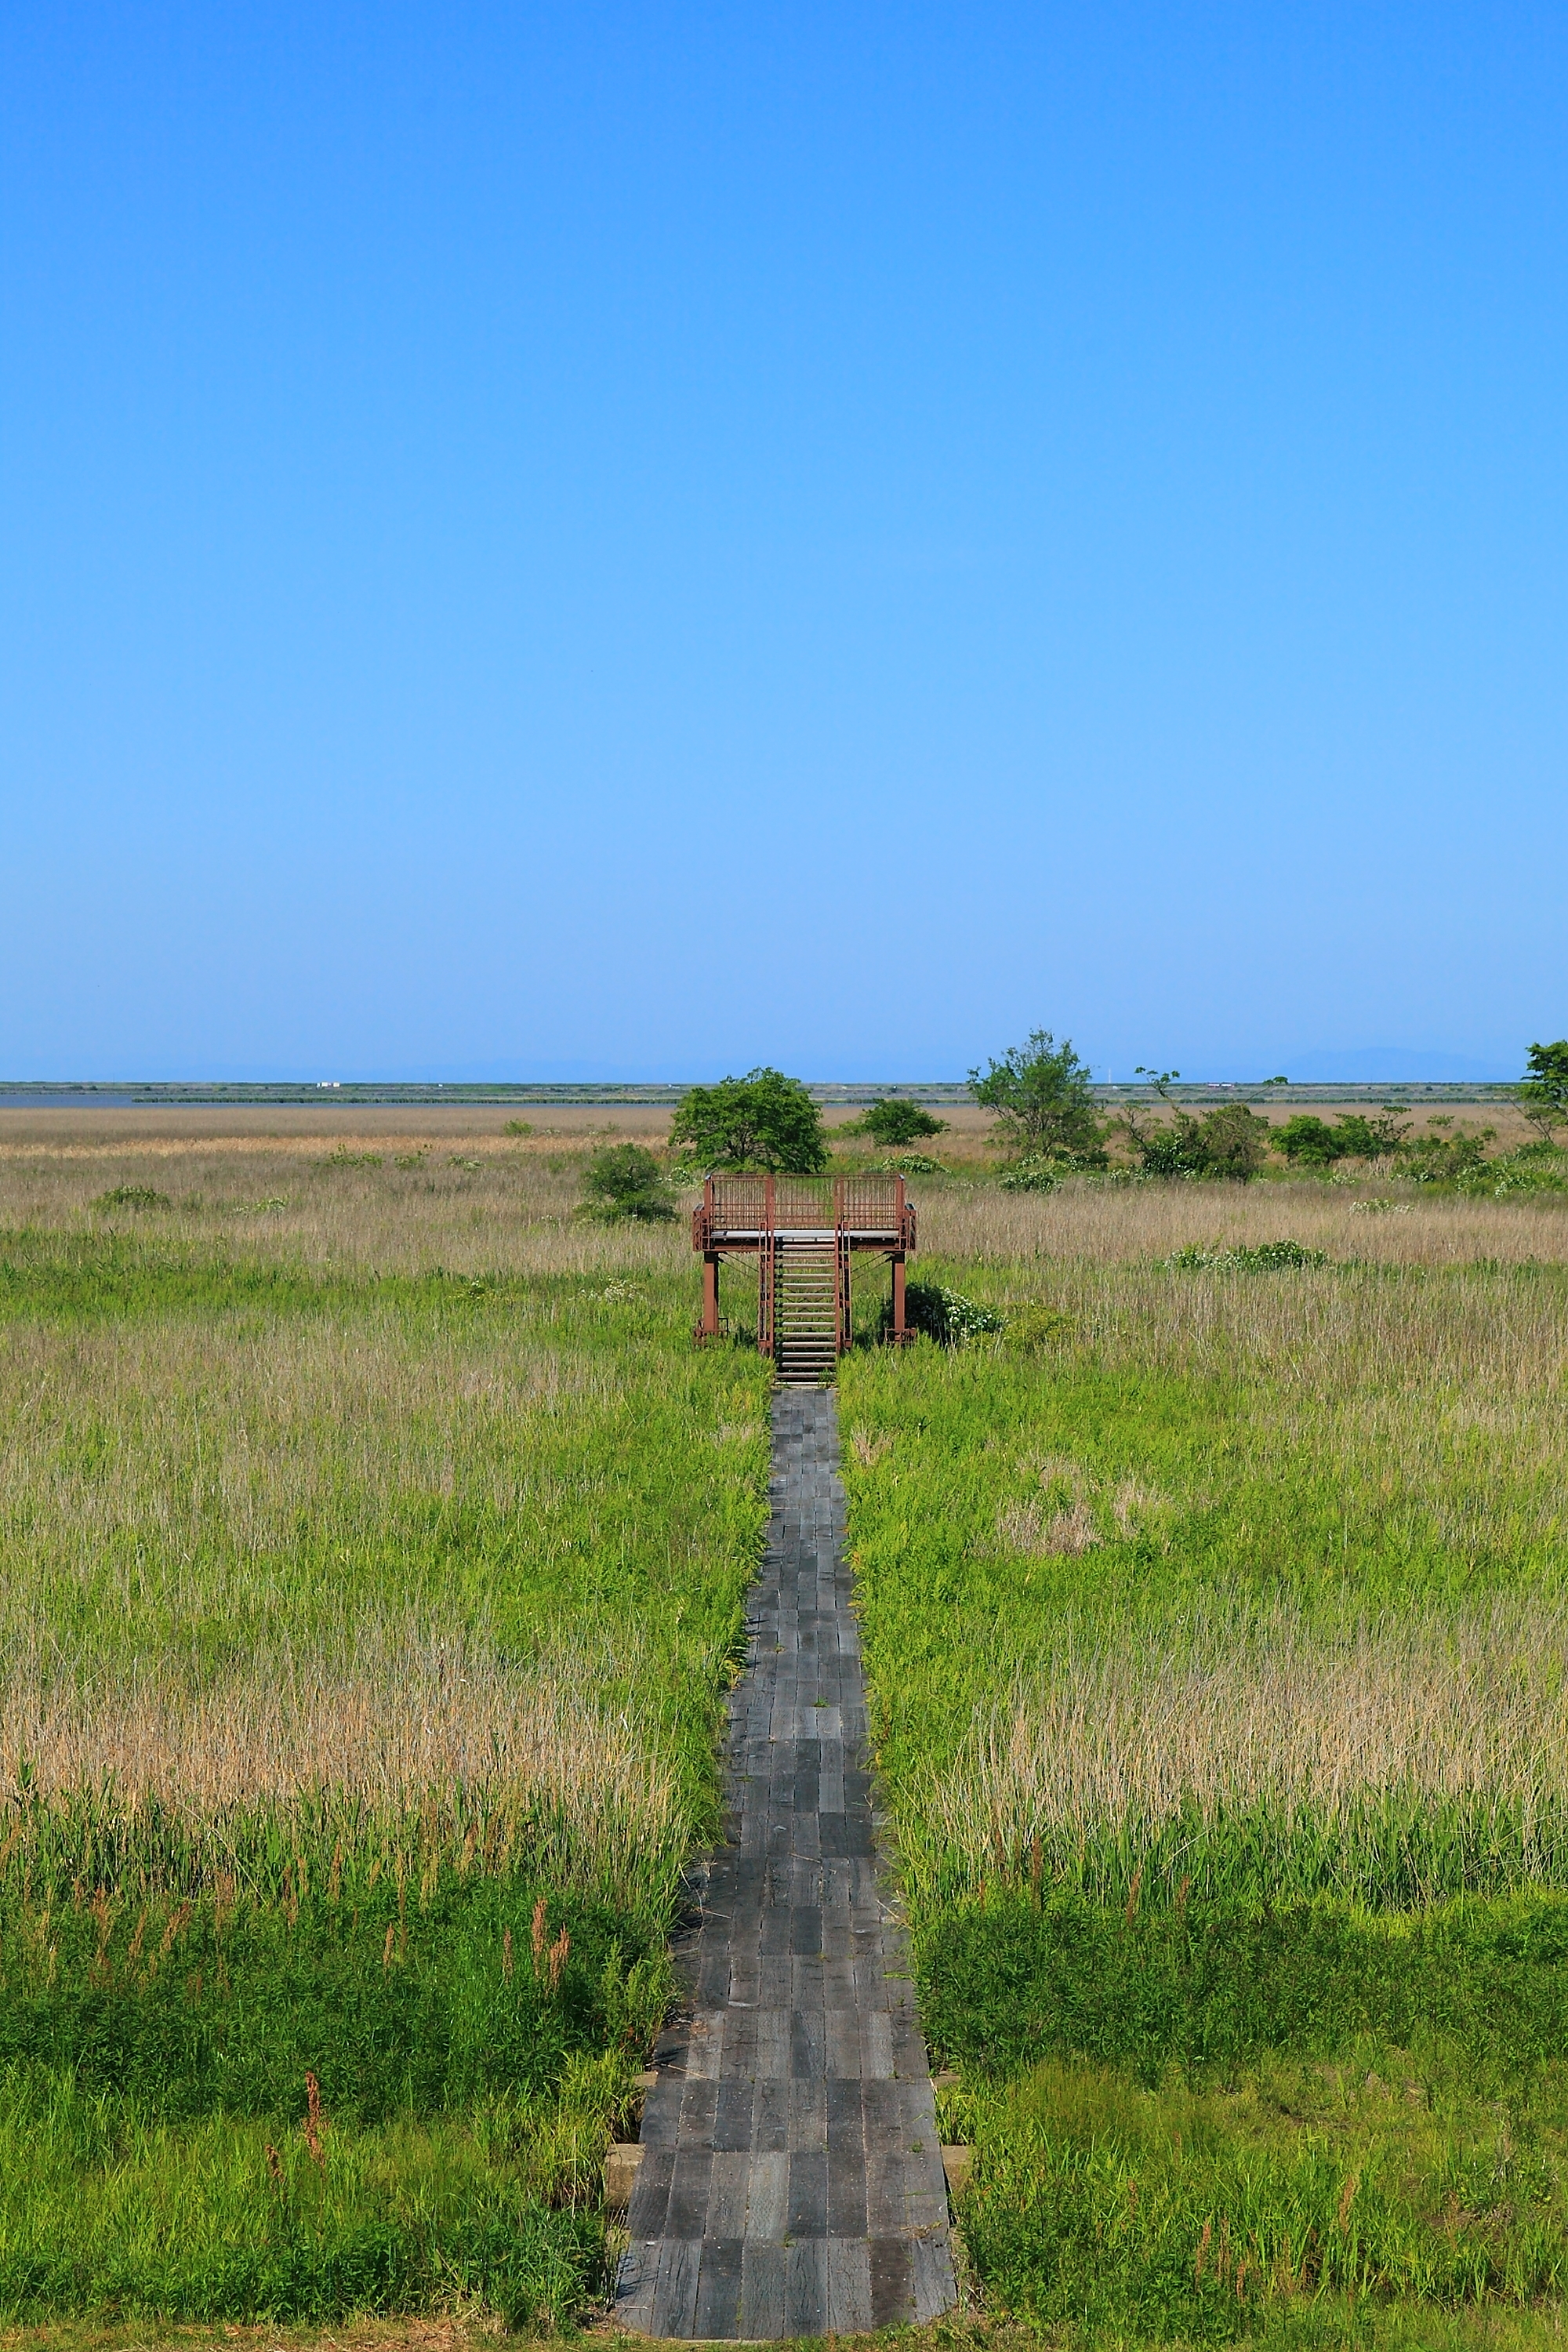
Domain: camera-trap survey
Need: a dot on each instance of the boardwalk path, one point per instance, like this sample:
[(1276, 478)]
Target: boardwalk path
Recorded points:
[(792, 2181)]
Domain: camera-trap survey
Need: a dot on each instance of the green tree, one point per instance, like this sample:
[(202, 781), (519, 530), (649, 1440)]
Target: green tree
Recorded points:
[(1308, 1142), (1311, 1143), (1040, 1093), (625, 1180), (1228, 1142), (1232, 1142), (1360, 1137), (897, 1121), (1543, 1095), (763, 1121)]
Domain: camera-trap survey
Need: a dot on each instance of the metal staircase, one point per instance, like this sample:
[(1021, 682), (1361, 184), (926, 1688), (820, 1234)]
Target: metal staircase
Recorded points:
[(808, 1311)]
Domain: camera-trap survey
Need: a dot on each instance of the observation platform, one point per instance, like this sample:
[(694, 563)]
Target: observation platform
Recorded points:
[(803, 1232)]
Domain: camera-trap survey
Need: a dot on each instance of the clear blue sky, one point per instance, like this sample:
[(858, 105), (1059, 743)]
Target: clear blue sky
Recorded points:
[(633, 540)]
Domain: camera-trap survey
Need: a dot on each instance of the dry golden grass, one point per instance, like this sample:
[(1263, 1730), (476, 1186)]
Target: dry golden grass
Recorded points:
[(1113, 1224), (1375, 1327), (471, 1204), (1232, 1707), (376, 1543), (281, 1193), (392, 1718)]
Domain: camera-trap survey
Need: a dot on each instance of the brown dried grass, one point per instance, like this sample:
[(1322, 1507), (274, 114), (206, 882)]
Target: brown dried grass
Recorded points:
[(1238, 1706), (387, 1717), (285, 1198), (1113, 1225)]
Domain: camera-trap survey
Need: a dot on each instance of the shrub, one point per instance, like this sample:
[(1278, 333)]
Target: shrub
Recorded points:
[(1232, 1142), (1313, 1143), (625, 1180), (132, 1196), (1372, 1138), (1040, 1093), (1534, 1167), (763, 1121), (518, 1127), (1042, 1171), (1308, 1141), (1438, 1159), (1029, 1328), (897, 1121), (1229, 1141), (945, 1316), (1033, 1176), (914, 1163), (1267, 1257), (1170, 1151)]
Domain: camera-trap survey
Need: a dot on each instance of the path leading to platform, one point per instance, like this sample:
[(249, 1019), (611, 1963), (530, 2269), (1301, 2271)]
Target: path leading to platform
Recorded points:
[(792, 2179)]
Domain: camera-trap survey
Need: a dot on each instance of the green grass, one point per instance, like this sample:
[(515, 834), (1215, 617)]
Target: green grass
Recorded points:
[(1215, 1634), (1200, 2214), (353, 1609), (365, 1636)]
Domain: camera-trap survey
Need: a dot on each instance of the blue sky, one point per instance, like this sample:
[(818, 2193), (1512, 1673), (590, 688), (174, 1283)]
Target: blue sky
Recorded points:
[(628, 542)]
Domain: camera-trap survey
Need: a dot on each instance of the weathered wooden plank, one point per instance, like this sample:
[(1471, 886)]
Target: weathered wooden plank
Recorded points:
[(792, 2182)]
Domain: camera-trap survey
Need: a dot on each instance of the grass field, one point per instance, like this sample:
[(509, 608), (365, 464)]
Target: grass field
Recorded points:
[(1218, 1636), (372, 1545)]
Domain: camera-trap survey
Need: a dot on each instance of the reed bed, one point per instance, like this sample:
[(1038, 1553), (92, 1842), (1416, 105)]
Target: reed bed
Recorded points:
[(406, 1741), (373, 1546), (1248, 1748), (1113, 1225), (390, 1204), (1217, 1630)]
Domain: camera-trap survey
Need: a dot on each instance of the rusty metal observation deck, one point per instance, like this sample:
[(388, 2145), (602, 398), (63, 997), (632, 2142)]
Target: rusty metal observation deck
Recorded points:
[(802, 1231)]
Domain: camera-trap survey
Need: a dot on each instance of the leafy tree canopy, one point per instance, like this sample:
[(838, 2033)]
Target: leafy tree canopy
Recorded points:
[(1544, 1093), (896, 1121), (1307, 1140), (1040, 1093), (1312, 1143), (763, 1121), (1228, 1142), (1232, 1142)]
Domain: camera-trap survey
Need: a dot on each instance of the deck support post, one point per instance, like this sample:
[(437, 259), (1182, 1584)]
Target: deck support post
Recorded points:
[(709, 1294), (767, 1262), (901, 1334)]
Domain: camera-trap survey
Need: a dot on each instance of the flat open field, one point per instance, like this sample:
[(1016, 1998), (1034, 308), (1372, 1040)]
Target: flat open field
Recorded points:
[(1218, 1627), (363, 1127), (364, 1621), (372, 1552)]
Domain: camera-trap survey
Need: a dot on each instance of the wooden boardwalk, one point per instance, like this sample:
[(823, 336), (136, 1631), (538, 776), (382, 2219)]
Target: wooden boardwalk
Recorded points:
[(791, 2180)]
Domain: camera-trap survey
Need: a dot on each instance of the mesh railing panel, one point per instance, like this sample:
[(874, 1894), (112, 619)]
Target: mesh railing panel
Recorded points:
[(802, 1200), (739, 1203), (870, 1203), (810, 1203)]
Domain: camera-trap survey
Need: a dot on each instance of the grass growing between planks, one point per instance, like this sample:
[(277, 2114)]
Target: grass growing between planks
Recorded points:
[(364, 1630), (1218, 1642)]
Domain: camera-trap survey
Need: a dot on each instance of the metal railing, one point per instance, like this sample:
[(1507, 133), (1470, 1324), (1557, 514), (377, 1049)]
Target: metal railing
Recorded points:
[(747, 1208)]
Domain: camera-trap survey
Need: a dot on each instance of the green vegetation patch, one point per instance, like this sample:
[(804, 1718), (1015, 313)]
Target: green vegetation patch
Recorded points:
[(1217, 1641), (364, 1638)]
